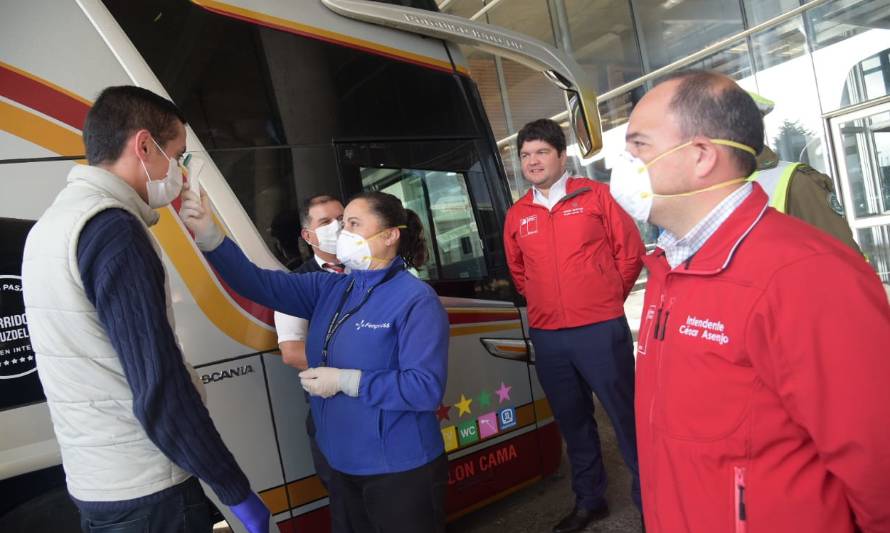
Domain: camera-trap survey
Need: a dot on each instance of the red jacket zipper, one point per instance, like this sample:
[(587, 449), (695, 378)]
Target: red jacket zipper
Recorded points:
[(555, 256), (741, 514)]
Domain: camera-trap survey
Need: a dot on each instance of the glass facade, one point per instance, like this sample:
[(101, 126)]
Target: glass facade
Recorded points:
[(814, 65), (672, 29), (605, 44), (757, 11)]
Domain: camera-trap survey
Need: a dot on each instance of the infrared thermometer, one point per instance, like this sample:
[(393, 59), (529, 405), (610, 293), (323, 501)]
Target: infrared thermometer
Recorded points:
[(194, 166)]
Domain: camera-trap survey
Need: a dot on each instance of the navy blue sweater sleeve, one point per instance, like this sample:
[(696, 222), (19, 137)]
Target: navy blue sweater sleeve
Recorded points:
[(418, 384), (124, 279), (288, 292)]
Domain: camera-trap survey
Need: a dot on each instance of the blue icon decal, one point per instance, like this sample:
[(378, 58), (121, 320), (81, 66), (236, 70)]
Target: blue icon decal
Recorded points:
[(507, 418)]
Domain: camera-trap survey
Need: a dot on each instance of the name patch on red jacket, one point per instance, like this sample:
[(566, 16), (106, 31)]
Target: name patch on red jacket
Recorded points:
[(573, 211), (705, 329), (528, 226)]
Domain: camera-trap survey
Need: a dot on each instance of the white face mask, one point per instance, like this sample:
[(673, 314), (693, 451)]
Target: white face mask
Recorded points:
[(355, 252), (162, 192), (327, 236), (631, 185)]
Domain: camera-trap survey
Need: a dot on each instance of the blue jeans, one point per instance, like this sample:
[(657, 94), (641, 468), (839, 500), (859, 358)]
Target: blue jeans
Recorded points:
[(183, 510)]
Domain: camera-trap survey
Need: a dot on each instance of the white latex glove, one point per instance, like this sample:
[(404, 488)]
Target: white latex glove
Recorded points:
[(197, 217), (325, 381)]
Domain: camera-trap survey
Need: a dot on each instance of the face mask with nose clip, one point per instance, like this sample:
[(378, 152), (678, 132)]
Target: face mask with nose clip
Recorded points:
[(631, 185), (355, 251)]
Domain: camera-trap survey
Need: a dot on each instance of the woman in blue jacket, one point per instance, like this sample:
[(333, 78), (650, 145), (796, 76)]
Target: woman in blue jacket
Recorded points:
[(377, 349)]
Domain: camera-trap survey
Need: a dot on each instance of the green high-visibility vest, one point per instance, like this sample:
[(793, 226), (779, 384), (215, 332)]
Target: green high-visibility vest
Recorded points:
[(775, 182)]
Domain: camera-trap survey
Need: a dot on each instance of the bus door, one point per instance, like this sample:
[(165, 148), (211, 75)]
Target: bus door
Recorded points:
[(488, 416)]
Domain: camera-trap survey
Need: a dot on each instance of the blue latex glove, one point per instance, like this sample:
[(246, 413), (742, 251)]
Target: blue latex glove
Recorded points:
[(253, 514)]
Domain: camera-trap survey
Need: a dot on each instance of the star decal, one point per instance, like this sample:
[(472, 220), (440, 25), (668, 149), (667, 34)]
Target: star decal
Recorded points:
[(463, 405), (503, 393), (442, 412), (484, 399)]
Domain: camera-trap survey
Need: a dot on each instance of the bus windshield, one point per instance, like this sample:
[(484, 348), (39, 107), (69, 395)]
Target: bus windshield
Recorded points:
[(268, 104)]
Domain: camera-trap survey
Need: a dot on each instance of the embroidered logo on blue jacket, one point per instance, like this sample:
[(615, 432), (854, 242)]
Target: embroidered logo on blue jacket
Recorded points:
[(360, 325)]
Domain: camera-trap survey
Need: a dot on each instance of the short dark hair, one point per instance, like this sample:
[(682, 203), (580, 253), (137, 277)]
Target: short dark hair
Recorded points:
[(311, 202), (391, 212), (121, 111), (545, 130), (713, 105)]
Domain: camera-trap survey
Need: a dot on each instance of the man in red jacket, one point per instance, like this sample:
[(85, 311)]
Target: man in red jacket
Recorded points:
[(762, 397), (575, 255)]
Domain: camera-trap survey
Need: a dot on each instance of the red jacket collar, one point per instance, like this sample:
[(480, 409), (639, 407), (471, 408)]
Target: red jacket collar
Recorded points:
[(574, 185), (719, 249)]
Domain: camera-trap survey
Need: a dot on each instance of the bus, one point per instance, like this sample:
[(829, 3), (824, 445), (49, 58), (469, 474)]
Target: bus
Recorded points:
[(284, 100)]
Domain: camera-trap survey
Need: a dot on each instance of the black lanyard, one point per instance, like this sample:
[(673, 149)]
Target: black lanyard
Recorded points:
[(338, 321)]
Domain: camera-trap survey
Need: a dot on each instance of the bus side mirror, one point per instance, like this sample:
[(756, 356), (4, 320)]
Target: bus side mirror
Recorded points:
[(583, 111)]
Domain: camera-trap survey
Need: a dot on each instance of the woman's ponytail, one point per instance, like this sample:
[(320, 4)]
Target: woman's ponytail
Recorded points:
[(412, 245)]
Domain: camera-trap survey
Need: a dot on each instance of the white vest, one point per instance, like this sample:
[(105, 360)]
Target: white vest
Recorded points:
[(106, 454)]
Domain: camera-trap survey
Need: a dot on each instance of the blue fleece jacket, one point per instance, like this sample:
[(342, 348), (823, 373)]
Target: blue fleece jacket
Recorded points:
[(398, 339)]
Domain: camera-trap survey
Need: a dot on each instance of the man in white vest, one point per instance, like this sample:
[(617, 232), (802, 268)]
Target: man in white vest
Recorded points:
[(133, 431)]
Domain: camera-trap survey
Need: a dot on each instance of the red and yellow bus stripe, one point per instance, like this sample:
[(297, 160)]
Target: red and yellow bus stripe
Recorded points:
[(41, 95), (39, 130), (290, 26), (475, 320)]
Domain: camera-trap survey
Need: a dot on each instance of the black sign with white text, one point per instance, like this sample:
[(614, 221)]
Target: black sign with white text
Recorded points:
[(18, 374)]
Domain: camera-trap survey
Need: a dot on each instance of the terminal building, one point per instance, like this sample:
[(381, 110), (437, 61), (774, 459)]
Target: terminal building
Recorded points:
[(825, 64)]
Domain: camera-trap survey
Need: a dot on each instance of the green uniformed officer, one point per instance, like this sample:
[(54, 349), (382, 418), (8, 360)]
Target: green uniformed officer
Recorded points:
[(801, 191)]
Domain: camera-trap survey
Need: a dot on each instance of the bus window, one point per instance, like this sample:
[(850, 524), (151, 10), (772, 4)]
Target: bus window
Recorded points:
[(270, 183), (442, 201), (452, 189)]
